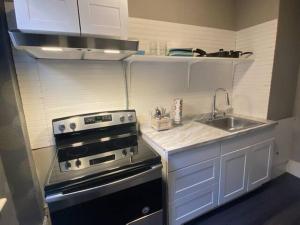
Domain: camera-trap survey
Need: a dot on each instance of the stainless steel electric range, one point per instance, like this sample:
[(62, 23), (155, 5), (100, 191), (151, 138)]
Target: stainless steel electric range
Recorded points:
[(103, 173)]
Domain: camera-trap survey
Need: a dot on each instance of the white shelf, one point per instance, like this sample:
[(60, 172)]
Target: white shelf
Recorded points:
[(150, 58), (189, 60)]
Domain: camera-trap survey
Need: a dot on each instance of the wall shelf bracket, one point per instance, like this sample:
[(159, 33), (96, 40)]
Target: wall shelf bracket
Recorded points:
[(189, 72)]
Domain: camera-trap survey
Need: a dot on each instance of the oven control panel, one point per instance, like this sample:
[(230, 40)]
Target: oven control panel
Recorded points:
[(92, 121), (88, 161)]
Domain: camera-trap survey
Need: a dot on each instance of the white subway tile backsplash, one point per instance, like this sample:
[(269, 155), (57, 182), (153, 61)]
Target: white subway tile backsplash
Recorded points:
[(157, 84), (252, 82), (57, 88)]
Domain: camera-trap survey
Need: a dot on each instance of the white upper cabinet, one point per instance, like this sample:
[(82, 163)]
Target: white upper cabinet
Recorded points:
[(93, 17), (104, 17), (47, 16)]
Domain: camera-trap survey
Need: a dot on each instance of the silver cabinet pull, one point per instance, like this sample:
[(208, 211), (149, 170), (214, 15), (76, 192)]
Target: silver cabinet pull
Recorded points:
[(2, 203)]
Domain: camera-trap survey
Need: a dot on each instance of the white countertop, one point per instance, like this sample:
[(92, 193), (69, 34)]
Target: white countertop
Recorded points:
[(192, 134)]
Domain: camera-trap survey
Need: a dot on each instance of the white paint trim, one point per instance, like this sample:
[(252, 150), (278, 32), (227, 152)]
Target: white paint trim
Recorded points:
[(293, 168), (45, 221), (2, 203)]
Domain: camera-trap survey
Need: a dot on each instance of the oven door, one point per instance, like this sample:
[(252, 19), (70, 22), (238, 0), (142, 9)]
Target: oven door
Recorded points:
[(131, 200)]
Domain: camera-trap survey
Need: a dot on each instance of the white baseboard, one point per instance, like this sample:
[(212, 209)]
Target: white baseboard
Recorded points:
[(279, 169), (293, 168)]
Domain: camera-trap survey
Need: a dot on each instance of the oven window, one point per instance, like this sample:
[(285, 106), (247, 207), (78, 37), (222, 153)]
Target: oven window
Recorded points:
[(115, 209)]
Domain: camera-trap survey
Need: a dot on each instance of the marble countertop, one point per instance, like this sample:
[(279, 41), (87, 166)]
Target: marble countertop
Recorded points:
[(193, 134)]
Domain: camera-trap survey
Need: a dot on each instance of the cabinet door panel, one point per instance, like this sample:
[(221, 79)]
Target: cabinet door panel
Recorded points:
[(47, 16), (104, 17), (233, 175), (260, 164), (193, 156)]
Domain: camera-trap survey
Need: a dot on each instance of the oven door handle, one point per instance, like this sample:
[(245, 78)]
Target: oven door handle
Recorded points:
[(128, 180)]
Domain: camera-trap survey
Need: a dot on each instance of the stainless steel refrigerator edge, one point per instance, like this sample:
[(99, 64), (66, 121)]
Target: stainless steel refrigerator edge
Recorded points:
[(14, 145)]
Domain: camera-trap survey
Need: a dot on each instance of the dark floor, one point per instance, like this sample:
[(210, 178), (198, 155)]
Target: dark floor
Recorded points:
[(276, 203)]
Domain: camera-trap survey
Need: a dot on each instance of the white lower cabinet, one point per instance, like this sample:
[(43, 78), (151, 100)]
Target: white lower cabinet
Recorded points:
[(193, 190), (200, 179), (233, 181), (193, 205), (244, 170)]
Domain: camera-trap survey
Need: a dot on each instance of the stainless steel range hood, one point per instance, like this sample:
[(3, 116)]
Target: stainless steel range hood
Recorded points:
[(46, 46)]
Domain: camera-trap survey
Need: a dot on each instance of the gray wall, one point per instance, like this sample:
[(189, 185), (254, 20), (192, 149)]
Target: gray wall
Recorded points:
[(210, 13), (223, 14), (286, 61), (254, 12)]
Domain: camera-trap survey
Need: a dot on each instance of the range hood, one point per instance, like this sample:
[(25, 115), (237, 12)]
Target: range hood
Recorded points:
[(44, 46)]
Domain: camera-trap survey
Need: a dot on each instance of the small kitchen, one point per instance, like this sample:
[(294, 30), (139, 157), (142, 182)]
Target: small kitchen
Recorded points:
[(139, 112)]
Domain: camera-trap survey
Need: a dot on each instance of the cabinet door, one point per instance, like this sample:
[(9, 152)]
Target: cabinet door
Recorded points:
[(260, 156), (104, 17), (233, 182), (47, 16)]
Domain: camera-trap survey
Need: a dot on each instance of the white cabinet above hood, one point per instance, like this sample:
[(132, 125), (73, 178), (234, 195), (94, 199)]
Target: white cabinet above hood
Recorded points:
[(86, 17)]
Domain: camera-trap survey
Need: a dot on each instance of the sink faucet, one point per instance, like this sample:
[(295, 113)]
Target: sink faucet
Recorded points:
[(215, 111)]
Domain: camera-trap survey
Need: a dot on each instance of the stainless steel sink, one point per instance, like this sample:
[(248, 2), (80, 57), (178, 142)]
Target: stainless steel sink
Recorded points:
[(231, 123)]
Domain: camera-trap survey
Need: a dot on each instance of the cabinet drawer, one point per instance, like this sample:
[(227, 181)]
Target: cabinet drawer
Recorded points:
[(193, 205), (193, 178), (192, 156), (246, 140)]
